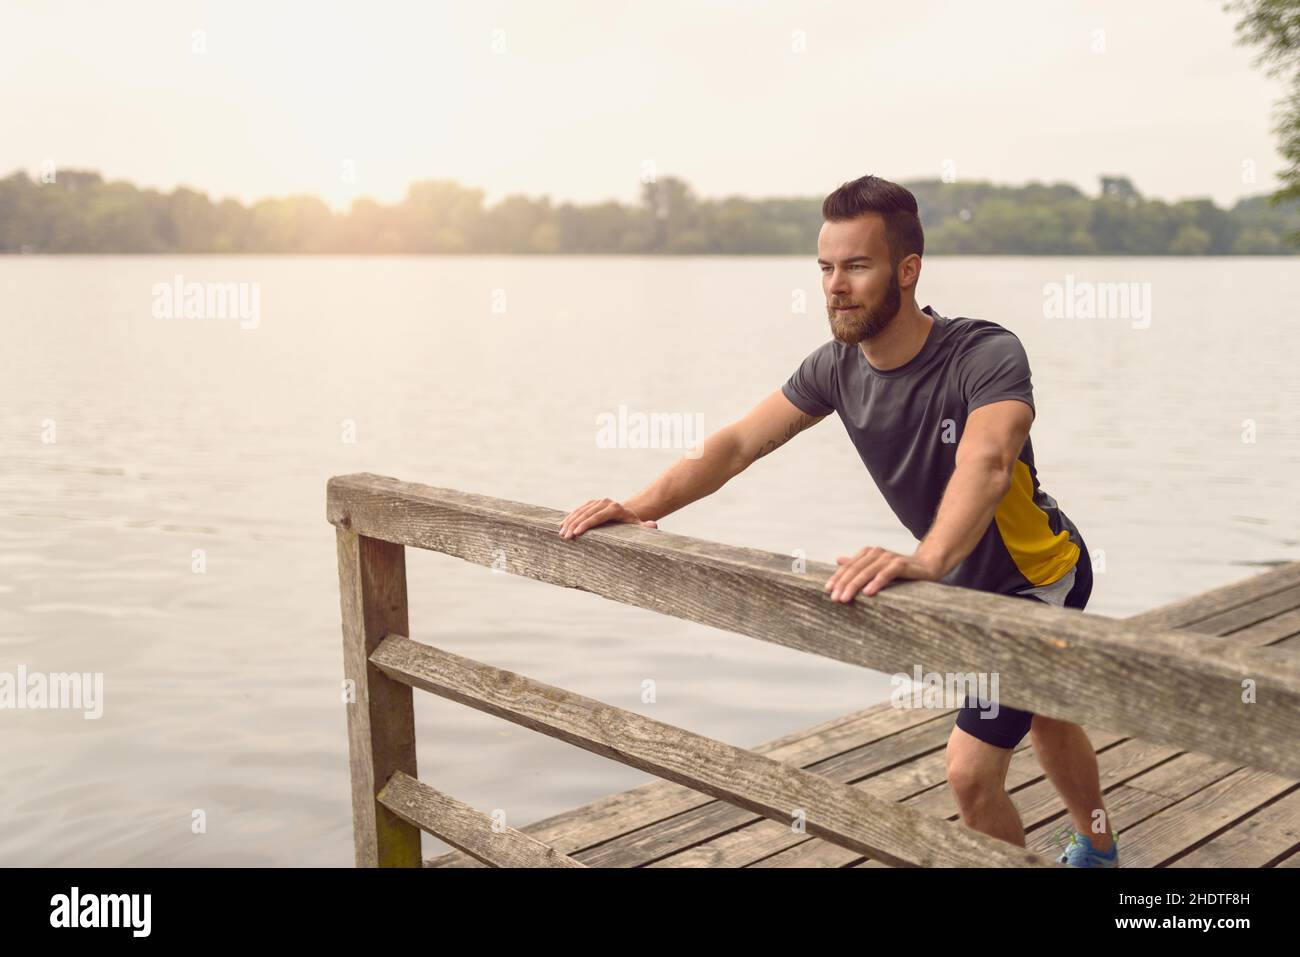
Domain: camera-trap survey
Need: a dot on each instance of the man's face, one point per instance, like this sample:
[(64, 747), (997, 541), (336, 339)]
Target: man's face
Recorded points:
[(860, 282)]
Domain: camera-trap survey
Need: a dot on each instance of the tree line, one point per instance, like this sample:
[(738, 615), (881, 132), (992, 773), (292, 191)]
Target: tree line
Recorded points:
[(79, 212)]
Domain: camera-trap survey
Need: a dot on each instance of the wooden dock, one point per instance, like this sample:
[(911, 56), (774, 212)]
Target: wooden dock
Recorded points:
[(1194, 774)]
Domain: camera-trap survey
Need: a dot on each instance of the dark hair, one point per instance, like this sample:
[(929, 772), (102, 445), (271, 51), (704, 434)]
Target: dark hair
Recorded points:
[(896, 204)]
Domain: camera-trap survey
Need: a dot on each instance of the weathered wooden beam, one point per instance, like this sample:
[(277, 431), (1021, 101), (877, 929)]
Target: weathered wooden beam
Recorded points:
[(1191, 611), (381, 717), (460, 825), (831, 810), (1171, 687)]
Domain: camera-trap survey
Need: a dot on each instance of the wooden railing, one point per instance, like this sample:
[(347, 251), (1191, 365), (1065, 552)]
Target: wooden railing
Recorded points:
[(1135, 677)]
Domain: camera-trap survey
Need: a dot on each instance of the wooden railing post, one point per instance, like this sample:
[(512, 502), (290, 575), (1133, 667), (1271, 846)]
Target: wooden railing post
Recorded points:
[(381, 717)]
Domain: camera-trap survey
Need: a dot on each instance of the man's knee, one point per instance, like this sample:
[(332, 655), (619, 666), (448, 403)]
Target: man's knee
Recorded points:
[(976, 771), (973, 786)]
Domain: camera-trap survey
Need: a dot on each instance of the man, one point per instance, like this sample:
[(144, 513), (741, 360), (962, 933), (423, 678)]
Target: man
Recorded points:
[(939, 410)]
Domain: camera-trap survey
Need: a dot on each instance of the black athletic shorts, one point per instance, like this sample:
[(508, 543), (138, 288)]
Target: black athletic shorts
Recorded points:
[(1010, 725)]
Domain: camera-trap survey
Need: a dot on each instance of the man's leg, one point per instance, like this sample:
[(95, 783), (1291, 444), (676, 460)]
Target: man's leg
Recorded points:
[(1067, 757), (977, 775)]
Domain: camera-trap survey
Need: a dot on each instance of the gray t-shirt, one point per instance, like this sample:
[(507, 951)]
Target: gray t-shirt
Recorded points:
[(906, 423)]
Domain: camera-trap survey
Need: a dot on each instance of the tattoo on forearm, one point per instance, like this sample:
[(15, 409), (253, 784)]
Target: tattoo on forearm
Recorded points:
[(771, 445)]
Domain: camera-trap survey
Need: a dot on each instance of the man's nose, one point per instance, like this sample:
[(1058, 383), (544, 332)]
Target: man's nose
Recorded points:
[(839, 281)]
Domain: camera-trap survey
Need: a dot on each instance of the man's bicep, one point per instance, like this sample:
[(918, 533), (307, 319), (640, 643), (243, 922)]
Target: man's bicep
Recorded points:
[(996, 432), (769, 425)]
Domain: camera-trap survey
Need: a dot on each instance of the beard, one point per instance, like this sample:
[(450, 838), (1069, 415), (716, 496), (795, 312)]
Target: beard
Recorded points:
[(868, 320)]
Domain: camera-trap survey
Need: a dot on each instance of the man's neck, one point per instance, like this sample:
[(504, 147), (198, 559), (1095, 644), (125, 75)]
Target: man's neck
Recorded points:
[(900, 343)]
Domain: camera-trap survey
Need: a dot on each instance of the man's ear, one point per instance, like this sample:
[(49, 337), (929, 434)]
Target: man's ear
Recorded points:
[(909, 271)]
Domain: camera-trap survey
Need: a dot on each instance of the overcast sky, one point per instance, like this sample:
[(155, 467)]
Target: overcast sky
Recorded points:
[(576, 99)]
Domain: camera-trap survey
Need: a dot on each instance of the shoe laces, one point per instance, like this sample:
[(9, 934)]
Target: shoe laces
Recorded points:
[(1081, 846)]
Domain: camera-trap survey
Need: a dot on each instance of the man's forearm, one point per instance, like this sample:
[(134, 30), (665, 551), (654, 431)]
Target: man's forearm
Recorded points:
[(968, 505), (688, 479)]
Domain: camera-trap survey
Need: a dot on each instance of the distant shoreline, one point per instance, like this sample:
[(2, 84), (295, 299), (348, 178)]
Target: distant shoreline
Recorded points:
[(13, 254), (76, 212)]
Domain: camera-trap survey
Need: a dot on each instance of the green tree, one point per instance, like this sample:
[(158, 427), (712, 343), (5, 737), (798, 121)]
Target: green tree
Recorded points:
[(1190, 240), (672, 215), (512, 226), (441, 216), (1274, 26), (16, 212)]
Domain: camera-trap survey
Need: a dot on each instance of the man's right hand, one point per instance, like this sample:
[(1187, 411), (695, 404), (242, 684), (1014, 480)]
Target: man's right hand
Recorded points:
[(598, 511)]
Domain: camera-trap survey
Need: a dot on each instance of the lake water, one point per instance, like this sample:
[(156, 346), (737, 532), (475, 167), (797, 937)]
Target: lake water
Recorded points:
[(131, 442)]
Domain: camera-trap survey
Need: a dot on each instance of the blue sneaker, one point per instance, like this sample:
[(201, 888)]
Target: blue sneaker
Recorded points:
[(1081, 853)]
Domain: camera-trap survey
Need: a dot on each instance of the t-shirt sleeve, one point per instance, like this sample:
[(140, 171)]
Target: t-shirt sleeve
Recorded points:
[(992, 368), (811, 388)]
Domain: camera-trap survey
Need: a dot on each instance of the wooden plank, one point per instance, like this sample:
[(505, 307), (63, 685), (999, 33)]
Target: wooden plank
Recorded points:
[(1194, 608), (1178, 801), (1270, 833), (1253, 613), (647, 845), (1273, 631), (875, 768), (833, 811), (1040, 804), (1290, 645), (1173, 687), (466, 828), (577, 829), (763, 841), (1182, 777), (1131, 805), (1127, 807), (1141, 800), (380, 711), (1113, 763), (1163, 836), (810, 853)]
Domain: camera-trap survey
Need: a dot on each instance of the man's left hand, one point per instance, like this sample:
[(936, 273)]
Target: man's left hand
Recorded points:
[(875, 568)]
